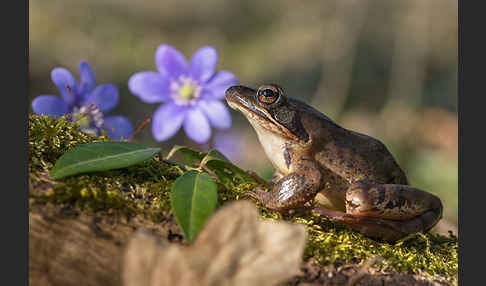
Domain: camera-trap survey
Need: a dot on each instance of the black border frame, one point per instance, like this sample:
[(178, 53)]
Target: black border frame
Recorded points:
[(15, 197), (471, 146)]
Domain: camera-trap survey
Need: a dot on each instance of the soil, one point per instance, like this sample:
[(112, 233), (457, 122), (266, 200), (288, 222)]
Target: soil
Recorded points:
[(358, 275)]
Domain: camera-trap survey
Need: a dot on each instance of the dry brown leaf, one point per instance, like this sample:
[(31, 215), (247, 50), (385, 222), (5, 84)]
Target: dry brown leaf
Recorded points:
[(236, 247)]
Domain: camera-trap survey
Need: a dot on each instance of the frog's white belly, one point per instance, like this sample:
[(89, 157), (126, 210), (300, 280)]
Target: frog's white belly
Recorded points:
[(274, 147)]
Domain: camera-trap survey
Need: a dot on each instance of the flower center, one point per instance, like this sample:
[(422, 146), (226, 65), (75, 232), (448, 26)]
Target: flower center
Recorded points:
[(184, 90), (187, 91), (89, 119)]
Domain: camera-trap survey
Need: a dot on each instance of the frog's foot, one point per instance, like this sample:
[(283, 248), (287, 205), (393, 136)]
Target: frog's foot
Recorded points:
[(259, 195), (268, 200), (380, 228), (293, 191), (265, 198)]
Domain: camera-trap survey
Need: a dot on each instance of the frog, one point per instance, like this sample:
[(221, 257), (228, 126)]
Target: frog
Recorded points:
[(356, 178)]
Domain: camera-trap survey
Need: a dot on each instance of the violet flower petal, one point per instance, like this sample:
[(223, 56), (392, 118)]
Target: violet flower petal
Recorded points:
[(197, 126), (117, 127), (217, 113), (167, 120), (105, 97), (150, 87), (170, 62), (229, 144), (62, 78), (49, 105), (217, 85), (88, 81), (203, 64)]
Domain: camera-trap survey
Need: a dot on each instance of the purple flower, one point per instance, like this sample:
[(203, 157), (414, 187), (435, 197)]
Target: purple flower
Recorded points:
[(191, 93), (229, 144), (77, 99)]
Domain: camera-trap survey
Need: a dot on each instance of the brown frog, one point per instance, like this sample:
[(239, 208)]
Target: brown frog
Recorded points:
[(361, 184)]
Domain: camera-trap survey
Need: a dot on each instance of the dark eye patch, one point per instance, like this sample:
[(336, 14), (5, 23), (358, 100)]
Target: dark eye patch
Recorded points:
[(291, 120)]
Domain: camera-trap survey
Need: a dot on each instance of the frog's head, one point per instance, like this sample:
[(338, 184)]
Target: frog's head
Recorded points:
[(268, 109)]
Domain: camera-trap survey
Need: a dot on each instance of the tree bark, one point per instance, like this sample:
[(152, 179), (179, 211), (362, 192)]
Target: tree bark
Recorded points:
[(72, 247)]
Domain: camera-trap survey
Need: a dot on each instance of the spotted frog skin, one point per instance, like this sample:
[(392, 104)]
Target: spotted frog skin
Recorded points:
[(359, 181)]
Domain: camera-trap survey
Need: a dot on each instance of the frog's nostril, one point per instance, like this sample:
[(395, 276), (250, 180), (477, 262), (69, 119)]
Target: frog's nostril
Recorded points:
[(231, 90)]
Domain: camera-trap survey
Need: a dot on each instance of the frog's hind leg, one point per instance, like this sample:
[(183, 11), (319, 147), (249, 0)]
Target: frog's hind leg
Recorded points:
[(385, 229), (387, 212)]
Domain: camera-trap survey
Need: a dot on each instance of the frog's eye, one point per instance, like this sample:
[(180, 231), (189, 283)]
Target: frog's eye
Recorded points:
[(268, 95)]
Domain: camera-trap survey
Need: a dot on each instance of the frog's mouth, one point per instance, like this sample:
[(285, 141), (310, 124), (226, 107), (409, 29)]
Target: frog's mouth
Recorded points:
[(239, 98)]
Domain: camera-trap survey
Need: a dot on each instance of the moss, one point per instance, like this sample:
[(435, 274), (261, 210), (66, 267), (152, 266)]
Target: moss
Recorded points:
[(330, 243), (139, 189), (144, 188), (49, 138)]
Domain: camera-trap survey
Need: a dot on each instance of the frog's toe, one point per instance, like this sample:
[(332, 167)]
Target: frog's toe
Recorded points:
[(259, 195)]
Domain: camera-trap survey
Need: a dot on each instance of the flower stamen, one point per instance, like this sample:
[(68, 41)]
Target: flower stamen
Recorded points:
[(89, 118), (185, 90), (69, 89)]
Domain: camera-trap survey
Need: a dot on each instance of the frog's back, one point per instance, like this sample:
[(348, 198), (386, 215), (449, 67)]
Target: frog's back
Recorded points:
[(351, 155)]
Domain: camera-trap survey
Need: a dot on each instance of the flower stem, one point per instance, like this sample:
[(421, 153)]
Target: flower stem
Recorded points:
[(140, 128)]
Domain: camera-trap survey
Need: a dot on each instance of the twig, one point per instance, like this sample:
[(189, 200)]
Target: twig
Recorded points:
[(160, 156), (171, 153), (173, 163), (211, 173), (140, 128)]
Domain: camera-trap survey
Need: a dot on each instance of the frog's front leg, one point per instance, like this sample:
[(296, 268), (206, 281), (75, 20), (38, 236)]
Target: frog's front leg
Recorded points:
[(293, 190), (387, 211), (276, 177)]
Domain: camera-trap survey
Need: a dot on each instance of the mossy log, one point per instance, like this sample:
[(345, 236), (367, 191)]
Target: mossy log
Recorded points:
[(80, 225)]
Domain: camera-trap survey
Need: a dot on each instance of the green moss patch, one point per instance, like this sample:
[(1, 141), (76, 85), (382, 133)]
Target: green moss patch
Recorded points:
[(144, 189), (330, 243), (49, 138), (432, 253)]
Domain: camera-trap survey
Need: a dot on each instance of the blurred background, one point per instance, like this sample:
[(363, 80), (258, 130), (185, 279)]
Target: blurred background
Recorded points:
[(384, 68)]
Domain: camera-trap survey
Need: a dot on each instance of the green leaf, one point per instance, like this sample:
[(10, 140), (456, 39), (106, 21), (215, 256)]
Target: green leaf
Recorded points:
[(224, 169), (100, 156), (190, 156), (214, 154), (193, 199), (227, 172)]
